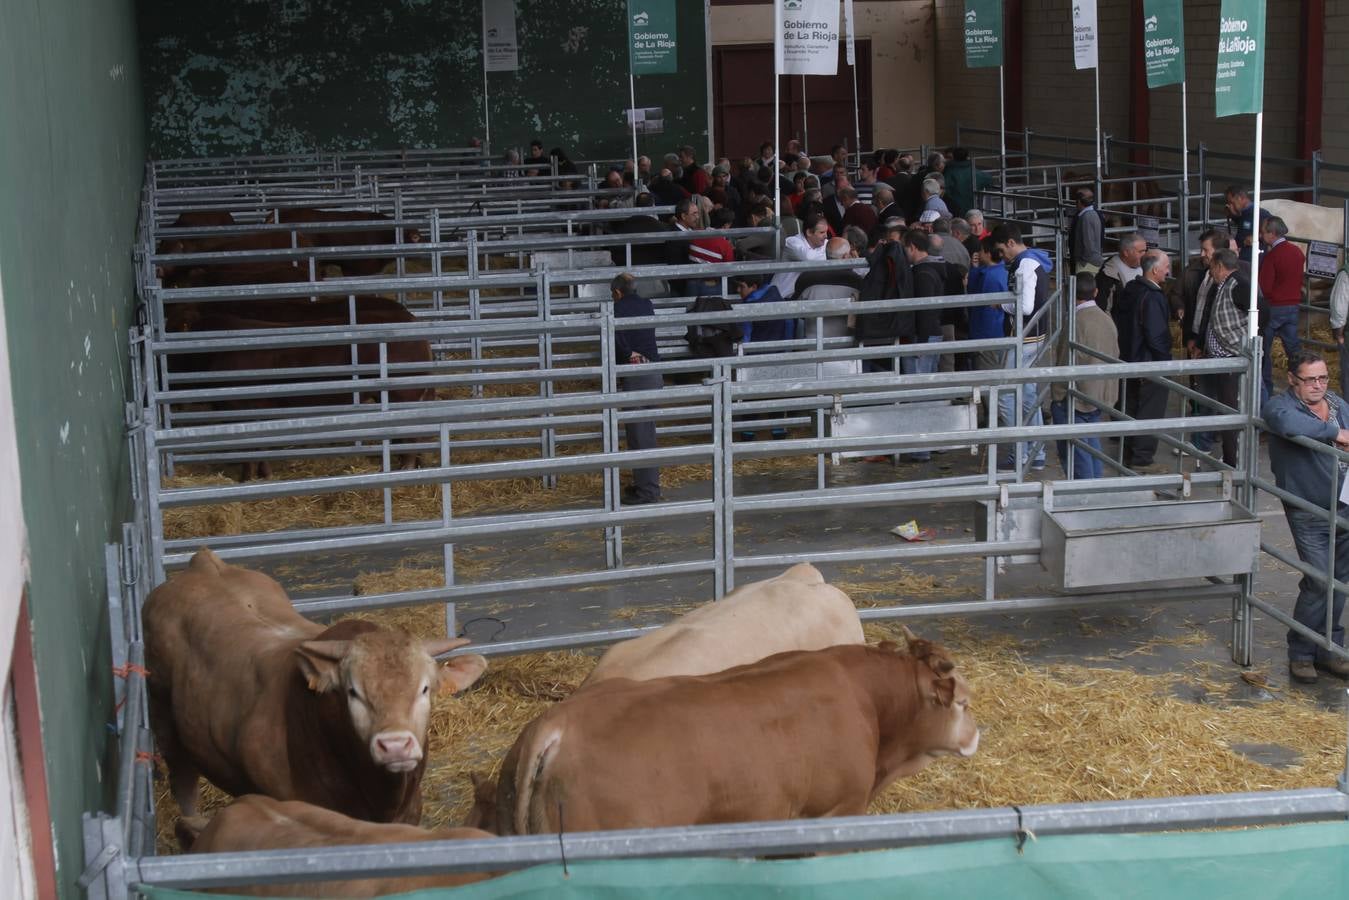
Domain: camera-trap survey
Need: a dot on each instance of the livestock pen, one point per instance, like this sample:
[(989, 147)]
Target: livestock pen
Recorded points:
[(516, 463)]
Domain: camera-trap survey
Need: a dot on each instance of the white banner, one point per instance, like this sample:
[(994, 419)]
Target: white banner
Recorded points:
[(851, 24), (808, 42), (1084, 33), (500, 52)]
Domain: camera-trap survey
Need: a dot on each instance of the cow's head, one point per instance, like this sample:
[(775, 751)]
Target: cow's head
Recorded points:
[(945, 694), (387, 678)]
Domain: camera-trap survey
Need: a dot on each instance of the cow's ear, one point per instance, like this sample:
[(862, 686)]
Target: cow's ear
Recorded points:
[(459, 672), (321, 663), (436, 647), (945, 690), (941, 665)]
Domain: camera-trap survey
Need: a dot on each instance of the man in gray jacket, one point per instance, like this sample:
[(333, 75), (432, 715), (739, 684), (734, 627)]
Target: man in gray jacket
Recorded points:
[(1309, 409), (1084, 235), (1095, 330)]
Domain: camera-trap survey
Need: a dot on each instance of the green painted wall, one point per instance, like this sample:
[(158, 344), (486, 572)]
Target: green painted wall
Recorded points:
[(71, 156), (224, 77)]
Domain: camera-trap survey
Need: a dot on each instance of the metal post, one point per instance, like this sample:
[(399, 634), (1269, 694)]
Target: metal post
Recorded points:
[(1184, 171), (777, 125), (1002, 137), (632, 98), (805, 124), (486, 102), (1252, 320), (1096, 70)]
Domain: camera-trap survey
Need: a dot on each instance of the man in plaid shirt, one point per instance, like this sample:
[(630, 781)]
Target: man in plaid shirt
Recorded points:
[(1220, 322)]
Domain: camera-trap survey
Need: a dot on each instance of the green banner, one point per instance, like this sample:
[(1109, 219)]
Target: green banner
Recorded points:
[(1240, 85), (1164, 42), (983, 33), (651, 37)]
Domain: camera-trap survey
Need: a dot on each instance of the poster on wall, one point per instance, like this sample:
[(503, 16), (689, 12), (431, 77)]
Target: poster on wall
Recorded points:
[(808, 43), (645, 120), (651, 37), (1084, 34), (1240, 84), (1163, 42), (983, 33), (500, 51)]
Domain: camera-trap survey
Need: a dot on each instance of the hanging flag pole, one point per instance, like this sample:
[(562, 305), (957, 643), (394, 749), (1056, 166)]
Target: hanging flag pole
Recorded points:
[(652, 49), (777, 134), (1085, 57), (805, 124), (500, 52), (486, 99), (1238, 89), (1164, 63), (805, 44), (983, 50), (851, 25)]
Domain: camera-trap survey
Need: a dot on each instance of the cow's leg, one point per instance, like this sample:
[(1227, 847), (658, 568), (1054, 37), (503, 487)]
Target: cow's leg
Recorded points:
[(183, 772)]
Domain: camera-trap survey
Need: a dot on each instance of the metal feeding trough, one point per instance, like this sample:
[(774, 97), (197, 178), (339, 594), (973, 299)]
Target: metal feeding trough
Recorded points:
[(911, 417), (1018, 518), (1134, 544)]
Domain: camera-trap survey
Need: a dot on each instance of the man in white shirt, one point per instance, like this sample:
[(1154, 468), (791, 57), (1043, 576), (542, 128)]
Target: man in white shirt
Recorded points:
[(809, 244)]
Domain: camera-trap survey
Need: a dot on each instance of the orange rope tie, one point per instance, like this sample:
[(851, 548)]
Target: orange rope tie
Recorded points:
[(126, 670)]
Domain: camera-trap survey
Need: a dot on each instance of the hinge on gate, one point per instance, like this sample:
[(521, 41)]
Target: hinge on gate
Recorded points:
[(97, 865), (1185, 485), (1227, 485), (836, 414), (1003, 498)]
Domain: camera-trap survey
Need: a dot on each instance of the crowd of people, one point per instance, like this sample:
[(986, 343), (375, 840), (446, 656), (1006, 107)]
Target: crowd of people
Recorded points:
[(915, 229)]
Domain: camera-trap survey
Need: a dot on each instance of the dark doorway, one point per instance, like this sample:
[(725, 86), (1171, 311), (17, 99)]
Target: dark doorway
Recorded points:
[(742, 101)]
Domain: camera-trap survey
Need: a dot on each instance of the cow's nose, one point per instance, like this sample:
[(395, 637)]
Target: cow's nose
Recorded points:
[(396, 747)]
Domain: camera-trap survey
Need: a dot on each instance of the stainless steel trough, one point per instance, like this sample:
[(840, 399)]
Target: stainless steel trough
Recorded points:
[(1138, 544)]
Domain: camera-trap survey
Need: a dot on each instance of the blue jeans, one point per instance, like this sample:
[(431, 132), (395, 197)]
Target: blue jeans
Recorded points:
[(921, 365), (1283, 324), (1030, 410), (1311, 536), (1084, 464)]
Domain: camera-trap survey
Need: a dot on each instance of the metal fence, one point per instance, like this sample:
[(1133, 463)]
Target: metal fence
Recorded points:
[(817, 386)]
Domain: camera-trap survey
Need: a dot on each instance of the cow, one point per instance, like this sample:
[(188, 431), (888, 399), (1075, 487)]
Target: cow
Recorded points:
[(260, 700), (348, 238), (483, 813), (302, 313), (793, 611), (224, 272), (256, 822), (803, 734), (1122, 202), (1309, 222)]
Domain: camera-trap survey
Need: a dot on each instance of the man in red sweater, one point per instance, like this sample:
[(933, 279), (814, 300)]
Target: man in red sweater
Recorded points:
[(1281, 276)]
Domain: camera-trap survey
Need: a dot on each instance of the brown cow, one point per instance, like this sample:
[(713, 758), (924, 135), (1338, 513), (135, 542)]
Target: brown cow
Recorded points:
[(358, 238), (302, 313), (255, 822), (484, 811), (807, 733), (258, 699)]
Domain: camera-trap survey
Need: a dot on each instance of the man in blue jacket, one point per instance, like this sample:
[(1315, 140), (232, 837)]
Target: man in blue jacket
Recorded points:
[(1309, 409), (1030, 281)]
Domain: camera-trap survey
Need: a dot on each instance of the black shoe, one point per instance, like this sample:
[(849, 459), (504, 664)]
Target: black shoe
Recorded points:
[(1335, 665), (632, 498)]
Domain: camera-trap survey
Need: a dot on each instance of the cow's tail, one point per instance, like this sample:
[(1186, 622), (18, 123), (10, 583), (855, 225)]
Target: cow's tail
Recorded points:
[(207, 563), (540, 748)]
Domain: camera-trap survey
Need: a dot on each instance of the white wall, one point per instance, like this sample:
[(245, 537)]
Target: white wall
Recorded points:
[(16, 867), (903, 48)]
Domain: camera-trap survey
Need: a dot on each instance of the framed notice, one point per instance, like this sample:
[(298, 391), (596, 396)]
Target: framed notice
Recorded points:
[(646, 120), (1149, 229), (1322, 259)]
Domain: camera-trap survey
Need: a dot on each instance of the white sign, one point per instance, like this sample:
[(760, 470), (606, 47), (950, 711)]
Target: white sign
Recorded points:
[(500, 53), (851, 24), (1323, 259), (808, 42), (1084, 33)]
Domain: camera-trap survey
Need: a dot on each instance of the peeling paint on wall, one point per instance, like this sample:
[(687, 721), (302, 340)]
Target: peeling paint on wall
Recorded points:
[(299, 75)]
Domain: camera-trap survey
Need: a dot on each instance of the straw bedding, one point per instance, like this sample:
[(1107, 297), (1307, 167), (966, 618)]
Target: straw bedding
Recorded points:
[(1051, 733)]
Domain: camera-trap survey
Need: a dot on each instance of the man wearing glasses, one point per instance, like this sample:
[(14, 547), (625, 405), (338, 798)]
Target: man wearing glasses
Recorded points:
[(1309, 409)]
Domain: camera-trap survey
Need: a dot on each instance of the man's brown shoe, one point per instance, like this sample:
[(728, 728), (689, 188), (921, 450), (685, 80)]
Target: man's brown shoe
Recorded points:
[(1335, 665), (1302, 671)]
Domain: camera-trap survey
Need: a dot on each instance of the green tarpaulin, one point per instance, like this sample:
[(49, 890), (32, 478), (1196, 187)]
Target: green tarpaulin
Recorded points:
[(1310, 861)]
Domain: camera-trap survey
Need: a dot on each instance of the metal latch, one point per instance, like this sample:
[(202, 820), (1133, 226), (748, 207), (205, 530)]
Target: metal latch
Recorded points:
[(837, 415)]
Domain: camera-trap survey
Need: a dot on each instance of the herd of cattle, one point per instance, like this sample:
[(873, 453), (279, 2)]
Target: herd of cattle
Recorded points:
[(765, 705), (248, 313)]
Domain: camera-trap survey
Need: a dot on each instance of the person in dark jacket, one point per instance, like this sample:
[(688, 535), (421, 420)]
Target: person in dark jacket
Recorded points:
[(1308, 409), (1084, 237), (633, 347), (1151, 342), (930, 277), (888, 277)]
